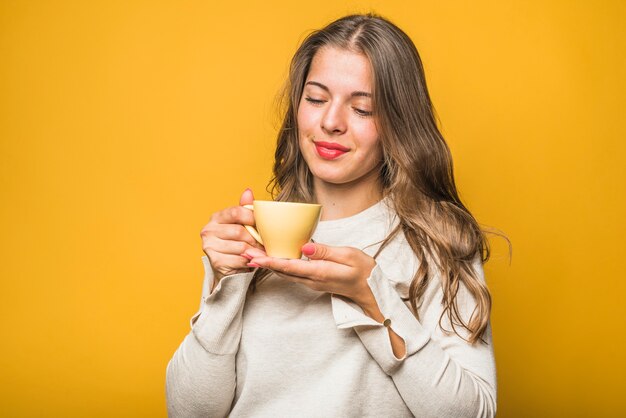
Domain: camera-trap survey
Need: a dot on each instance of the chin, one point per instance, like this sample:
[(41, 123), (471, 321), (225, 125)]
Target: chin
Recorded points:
[(329, 178)]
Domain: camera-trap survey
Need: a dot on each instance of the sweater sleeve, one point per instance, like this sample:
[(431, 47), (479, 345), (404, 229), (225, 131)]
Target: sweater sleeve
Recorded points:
[(200, 377), (441, 373)]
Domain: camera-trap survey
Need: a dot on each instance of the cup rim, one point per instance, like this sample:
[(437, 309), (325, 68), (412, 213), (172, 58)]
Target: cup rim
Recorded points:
[(286, 203)]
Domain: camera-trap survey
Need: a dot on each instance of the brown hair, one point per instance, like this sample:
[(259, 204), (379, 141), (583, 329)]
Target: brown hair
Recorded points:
[(416, 173)]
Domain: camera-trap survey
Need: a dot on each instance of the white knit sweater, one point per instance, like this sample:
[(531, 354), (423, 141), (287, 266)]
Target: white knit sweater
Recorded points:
[(288, 351)]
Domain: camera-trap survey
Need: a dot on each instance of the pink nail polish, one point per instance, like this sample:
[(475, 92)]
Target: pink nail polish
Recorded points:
[(253, 265), (308, 249), (246, 256)]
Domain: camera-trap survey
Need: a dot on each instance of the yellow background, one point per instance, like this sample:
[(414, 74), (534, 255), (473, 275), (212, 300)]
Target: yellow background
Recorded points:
[(125, 124)]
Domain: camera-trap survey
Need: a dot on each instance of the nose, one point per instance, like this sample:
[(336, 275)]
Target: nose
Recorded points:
[(334, 120)]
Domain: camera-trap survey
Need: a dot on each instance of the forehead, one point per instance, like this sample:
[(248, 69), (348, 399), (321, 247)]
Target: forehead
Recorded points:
[(341, 69)]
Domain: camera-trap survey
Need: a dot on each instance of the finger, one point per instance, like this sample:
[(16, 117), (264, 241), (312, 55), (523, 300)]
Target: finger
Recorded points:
[(341, 255), (255, 252), (227, 246), (234, 215), (259, 246), (247, 197), (226, 262), (234, 232), (292, 267)]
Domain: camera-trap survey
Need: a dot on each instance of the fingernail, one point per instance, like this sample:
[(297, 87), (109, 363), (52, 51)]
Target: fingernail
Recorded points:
[(308, 249), (253, 265), (246, 256)]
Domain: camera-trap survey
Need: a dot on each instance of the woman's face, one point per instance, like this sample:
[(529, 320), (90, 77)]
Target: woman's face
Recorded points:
[(337, 130)]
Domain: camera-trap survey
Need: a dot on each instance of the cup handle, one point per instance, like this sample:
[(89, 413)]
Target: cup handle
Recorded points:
[(255, 234)]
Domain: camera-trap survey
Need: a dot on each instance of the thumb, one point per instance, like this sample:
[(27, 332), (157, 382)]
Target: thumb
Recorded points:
[(247, 197), (315, 251)]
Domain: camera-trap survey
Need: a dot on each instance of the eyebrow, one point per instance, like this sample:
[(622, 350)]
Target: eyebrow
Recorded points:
[(354, 93)]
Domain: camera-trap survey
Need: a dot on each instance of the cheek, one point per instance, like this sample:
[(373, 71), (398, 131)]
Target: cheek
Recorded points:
[(377, 149), (304, 116), (299, 114), (375, 154), (369, 137)]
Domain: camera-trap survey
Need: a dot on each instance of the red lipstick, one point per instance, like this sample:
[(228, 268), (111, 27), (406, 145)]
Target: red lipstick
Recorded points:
[(330, 150)]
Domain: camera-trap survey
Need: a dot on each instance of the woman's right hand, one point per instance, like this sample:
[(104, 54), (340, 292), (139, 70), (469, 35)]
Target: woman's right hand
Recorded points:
[(224, 239)]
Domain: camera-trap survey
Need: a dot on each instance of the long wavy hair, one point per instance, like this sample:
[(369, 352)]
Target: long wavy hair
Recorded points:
[(416, 173)]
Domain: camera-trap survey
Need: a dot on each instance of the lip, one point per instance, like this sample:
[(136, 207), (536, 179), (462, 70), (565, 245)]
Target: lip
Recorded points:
[(330, 150), (331, 145)]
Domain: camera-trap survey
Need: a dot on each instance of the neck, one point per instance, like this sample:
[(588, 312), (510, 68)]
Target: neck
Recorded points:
[(344, 200)]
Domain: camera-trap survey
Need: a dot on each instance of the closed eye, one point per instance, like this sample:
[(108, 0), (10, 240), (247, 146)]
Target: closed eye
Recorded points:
[(314, 101), (361, 112)]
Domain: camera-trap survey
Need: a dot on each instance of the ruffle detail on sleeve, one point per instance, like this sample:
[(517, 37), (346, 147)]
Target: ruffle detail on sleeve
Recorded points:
[(374, 335)]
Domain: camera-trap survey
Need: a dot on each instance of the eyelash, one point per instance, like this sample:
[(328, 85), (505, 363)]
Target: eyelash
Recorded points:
[(359, 112)]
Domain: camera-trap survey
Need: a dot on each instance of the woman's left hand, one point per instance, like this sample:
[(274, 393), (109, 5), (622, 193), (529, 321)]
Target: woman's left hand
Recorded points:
[(340, 270)]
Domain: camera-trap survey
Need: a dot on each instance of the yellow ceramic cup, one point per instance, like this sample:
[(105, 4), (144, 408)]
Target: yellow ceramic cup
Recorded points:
[(284, 227)]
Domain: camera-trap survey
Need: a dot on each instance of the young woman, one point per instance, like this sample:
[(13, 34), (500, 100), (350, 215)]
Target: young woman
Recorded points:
[(388, 314)]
